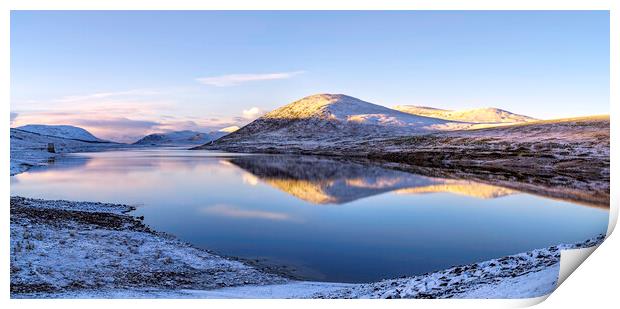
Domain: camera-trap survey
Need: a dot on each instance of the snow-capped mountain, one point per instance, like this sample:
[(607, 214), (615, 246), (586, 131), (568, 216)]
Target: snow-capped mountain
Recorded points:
[(62, 131), (478, 115), (349, 110), (333, 117), (179, 138)]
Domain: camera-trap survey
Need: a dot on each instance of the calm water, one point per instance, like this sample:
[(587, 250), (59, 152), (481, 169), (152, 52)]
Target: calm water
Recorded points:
[(328, 219)]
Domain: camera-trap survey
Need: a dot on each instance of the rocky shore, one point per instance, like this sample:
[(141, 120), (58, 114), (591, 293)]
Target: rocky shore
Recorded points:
[(62, 246), (65, 249), (529, 274)]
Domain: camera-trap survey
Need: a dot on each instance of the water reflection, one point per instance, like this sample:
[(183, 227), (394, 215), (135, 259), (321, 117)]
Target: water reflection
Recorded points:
[(461, 187), (390, 223), (237, 212), (63, 162), (322, 180)]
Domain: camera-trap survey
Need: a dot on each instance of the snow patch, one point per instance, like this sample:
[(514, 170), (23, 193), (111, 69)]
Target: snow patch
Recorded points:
[(478, 115)]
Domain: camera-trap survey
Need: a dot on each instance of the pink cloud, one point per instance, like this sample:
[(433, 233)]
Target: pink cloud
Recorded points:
[(122, 116)]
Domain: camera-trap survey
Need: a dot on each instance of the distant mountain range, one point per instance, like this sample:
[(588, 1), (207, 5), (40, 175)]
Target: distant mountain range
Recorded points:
[(179, 138), (175, 138)]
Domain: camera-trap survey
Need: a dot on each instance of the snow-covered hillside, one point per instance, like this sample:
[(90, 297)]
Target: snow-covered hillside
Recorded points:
[(324, 117), (31, 149), (478, 115), (179, 138), (62, 131), (345, 110)]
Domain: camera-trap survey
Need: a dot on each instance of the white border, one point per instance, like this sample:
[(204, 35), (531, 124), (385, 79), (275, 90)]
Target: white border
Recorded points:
[(595, 285), (312, 5)]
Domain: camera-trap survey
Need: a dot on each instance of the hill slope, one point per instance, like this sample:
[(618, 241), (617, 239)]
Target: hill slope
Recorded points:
[(478, 115), (62, 131), (564, 158), (334, 117)]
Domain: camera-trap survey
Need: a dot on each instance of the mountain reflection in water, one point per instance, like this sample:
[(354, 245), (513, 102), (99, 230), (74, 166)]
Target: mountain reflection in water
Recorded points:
[(321, 180)]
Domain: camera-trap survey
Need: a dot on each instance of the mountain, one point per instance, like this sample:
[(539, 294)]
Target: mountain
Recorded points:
[(179, 138), (478, 115), (62, 131), (335, 118)]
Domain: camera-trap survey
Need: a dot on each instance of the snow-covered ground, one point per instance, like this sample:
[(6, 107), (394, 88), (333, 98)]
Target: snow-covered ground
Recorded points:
[(60, 246), (63, 249), (524, 275), (290, 289), (541, 282)]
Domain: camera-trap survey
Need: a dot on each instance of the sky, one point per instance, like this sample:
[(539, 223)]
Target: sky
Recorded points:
[(124, 74)]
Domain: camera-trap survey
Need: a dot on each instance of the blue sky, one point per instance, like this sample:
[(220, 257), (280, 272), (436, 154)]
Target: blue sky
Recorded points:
[(125, 73)]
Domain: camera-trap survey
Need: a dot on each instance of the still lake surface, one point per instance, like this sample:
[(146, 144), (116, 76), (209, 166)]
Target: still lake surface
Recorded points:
[(326, 219)]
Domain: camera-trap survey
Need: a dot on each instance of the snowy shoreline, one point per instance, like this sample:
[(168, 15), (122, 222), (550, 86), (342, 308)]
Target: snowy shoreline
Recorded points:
[(67, 249)]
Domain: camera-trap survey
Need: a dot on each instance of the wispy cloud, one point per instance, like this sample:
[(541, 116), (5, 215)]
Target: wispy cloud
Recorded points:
[(237, 79), (104, 95), (121, 123), (235, 212)]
